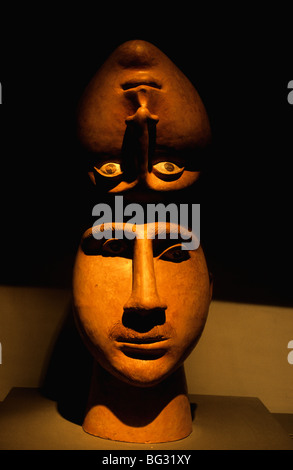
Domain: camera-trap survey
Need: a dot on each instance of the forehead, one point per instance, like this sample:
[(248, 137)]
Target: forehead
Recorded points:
[(112, 96)]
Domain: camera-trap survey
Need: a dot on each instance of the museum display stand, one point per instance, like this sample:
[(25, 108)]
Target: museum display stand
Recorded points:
[(30, 421)]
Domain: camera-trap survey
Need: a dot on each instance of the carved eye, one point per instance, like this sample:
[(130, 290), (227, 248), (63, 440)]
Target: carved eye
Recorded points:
[(167, 170), (175, 254), (109, 169), (114, 246)]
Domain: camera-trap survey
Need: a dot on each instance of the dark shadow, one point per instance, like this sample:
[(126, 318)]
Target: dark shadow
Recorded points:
[(69, 372), (193, 408), (133, 405), (143, 323)]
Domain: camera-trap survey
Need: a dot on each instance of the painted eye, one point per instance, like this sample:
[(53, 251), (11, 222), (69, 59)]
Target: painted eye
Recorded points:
[(109, 169), (175, 253), (167, 170)]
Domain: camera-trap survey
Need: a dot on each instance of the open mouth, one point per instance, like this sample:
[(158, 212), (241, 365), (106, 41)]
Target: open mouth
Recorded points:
[(142, 353), (145, 348), (141, 340)]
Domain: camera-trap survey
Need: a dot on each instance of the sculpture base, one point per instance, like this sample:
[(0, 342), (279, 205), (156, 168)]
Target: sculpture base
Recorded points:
[(29, 421), (122, 412)]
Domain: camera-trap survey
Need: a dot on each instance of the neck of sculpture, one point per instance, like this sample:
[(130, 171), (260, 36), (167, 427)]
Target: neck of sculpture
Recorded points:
[(122, 412)]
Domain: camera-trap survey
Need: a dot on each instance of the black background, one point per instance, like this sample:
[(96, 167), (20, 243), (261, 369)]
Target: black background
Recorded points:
[(239, 60)]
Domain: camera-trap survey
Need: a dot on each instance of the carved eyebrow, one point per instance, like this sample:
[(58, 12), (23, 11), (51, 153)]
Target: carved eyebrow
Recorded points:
[(156, 229), (153, 230), (111, 227)]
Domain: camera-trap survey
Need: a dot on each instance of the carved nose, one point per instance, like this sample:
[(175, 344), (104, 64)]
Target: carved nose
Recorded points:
[(144, 296), (136, 54), (143, 131)]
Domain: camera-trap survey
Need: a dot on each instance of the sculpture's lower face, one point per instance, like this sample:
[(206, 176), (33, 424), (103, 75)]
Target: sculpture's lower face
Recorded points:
[(140, 305)]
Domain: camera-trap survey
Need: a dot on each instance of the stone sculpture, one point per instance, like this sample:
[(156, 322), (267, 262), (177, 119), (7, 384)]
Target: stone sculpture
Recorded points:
[(140, 302), (142, 123)]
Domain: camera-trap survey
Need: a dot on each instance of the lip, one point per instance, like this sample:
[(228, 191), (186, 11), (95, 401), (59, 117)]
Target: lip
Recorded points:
[(140, 341), (141, 79)]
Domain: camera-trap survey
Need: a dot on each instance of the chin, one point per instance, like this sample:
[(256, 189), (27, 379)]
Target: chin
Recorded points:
[(144, 373)]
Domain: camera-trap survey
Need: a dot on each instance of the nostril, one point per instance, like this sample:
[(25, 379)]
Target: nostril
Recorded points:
[(140, 321)]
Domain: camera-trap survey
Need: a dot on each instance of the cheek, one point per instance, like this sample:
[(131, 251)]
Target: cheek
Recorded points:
[(180, 283), (185, 290), (101, 287)]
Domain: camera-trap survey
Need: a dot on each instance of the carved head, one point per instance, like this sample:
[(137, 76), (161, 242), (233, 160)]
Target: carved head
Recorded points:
[(140, 304), (141, 123)]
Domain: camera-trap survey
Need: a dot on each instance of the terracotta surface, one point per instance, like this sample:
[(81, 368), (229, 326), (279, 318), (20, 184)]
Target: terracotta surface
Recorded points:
[(140, 303), (142, 122), (141, 306), (220, 423), (121, 412)]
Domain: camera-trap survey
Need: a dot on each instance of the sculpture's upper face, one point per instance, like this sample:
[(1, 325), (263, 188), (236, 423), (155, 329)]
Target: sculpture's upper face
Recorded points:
[(142, 122), (141, 304)]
